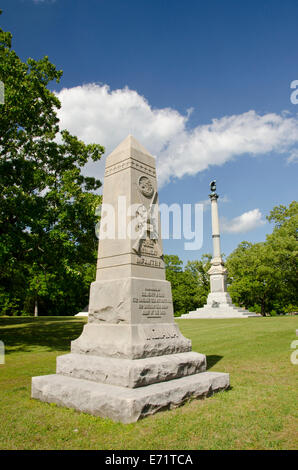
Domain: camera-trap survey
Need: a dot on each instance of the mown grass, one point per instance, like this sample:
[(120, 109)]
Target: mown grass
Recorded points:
[(258, 412)]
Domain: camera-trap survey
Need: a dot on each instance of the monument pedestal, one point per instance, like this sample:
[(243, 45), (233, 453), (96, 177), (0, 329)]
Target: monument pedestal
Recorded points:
[(220, 311), (131, 359), (219, 303), (131, 318)]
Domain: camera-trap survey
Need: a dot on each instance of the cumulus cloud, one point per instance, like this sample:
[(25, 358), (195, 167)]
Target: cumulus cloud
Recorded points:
[(95, 113), (243, 223)]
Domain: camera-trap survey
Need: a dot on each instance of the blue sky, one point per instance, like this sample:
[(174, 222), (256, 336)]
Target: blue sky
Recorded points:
[(203, 85)]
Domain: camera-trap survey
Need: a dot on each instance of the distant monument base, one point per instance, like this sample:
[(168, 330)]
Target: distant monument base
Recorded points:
[(83, 313), (219, 305)]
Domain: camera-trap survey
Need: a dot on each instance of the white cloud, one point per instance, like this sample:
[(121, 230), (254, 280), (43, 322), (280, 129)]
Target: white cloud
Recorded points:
[(243, 223), (97, 114)]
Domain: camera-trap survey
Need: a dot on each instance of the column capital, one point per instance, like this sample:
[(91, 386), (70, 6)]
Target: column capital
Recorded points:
[(213, 196)]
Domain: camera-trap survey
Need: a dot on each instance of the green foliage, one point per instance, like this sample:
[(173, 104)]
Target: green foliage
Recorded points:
[(264, 275), (199, 270), (190, 286), (47, 240)]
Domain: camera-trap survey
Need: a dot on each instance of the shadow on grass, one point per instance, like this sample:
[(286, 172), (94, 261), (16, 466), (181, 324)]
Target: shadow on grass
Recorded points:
[(212, 360), (28, 333)]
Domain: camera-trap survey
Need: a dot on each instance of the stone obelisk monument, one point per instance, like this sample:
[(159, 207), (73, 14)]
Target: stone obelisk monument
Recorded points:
[(219, 302), (131, 360)]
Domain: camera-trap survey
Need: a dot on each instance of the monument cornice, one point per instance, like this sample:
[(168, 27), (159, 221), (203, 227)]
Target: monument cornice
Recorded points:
[(130, 162)]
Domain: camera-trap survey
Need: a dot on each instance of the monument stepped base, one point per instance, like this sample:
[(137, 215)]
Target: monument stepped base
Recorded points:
[(125, 404), (130, 373), (219, 305)]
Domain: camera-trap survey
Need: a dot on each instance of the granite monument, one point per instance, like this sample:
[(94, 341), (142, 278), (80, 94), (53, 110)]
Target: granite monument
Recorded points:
[(131, 359)]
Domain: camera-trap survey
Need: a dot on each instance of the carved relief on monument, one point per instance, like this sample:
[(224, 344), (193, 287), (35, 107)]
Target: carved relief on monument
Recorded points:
[(145, 186), (149, 248), (160, 333), (130, 163), (147, 241)]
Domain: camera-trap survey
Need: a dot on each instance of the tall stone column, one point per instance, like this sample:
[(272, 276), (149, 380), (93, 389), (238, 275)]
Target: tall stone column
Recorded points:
[(219, 303), (217, 272), (215, 227)]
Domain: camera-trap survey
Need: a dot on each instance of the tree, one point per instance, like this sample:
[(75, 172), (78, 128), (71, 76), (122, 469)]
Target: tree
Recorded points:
[(253, 276), (190, 286), (199, 270), (264, 275), (283, 216), (175, 275), (173, 264), (47, 214), (283, 243)]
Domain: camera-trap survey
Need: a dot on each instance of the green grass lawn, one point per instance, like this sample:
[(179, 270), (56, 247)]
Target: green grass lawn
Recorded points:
[(258, 412)]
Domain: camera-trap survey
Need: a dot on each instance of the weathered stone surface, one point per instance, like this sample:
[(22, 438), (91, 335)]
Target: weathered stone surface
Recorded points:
[(219, 298), (125, 404), (131, 373), (127, 167), (131, 300), (130, 341)]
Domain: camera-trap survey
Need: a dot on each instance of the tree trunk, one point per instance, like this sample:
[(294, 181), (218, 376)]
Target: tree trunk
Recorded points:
[(36, 308), (263, 313)]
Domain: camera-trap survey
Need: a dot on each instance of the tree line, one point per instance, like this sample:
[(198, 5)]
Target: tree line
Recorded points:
[(48, 247), (47, 212)]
